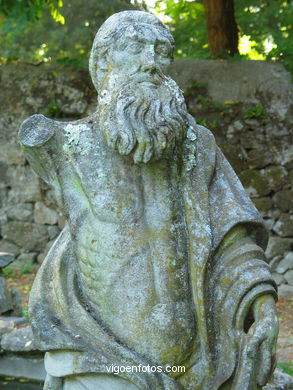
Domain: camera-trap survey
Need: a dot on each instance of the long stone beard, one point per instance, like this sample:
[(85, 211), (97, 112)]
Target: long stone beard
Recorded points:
[(143, 119)]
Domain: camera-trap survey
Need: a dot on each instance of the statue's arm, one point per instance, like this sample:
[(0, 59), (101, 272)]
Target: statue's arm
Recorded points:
[(38, 142), (256, 320)]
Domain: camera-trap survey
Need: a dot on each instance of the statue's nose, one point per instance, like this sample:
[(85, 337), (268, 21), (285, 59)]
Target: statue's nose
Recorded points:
[(149, 60)]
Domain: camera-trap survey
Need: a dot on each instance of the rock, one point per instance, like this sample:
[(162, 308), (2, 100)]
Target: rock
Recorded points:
[(280, 381), (20, 212), (285, 291), (234, 132), (22, 367), (6, 303), (16, 302), (24, 183), (255, 184), (10, 153), (6, 259), (6, 246), (6, 326), (275, 176), (42, 255), (16, 320), (45, 215), (285, 264), (289, 277), (269, 223), (27, 257), (29, 236), (3, 175), (275, 262), (258, 158), (279, 279), (61, 221), (283, 200), (284, 226), (253, 139), (19, 340), (277, 246), (53, 232), (263, 204)]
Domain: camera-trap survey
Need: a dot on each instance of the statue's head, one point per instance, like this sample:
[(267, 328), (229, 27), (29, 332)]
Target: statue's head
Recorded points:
[(141, 110), (130, 42)]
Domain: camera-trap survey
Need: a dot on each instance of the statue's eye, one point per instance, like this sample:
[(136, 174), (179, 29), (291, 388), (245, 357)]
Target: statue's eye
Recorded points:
[(134, 47), (163, 50)]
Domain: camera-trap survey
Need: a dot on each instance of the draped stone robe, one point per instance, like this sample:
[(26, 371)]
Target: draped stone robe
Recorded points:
[(227, 266)]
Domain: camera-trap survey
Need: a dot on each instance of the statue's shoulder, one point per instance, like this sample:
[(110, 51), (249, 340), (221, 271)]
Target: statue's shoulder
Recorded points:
[(36, 130), (206, 138)]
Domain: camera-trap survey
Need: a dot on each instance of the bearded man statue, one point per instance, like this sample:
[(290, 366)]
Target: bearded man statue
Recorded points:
[(161, 262)]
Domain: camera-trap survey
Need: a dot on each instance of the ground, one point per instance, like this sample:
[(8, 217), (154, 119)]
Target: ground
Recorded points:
[(23, 282)]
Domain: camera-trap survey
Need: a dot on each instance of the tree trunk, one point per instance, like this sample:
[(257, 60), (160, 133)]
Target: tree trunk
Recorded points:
[(222, 27)]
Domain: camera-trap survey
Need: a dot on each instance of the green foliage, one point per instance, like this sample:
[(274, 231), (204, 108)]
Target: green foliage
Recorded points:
[(286, 367), (269, 24), (27, 267), (25, 314), (186, 20), (53, 110), (8, 272), (28, 32), (257, 111), (266, 24)]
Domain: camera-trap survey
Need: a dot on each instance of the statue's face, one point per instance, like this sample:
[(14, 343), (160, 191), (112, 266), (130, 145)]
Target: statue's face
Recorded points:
[(142, 53), (140, 109)]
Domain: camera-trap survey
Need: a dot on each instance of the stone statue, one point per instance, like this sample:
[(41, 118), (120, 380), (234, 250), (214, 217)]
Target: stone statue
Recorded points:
[(161, 262)]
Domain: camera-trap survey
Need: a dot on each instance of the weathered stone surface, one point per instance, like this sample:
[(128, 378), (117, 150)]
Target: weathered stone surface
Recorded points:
[(147, 197), (6, 303), (285, 291), (43, 254), (6, 327), (29, 236), (26, 257), (254, 183), (253, 139), (19, 340), (275, 176), (45, 215), (11, 154), (20, 212), (6, 246), (289, 277), (6, 259), (22, 367), (284, 200), (279, 279), (263, 204), (256, 78), (53, 231), (269, 223), (285, 264), (16, 320), (278, 246), (234, 132), (284, 226), (275, 262), (258, 158), (280, 381), (24, 183)]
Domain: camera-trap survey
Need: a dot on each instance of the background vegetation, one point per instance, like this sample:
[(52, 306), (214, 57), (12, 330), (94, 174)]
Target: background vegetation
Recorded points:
[(45, 30)]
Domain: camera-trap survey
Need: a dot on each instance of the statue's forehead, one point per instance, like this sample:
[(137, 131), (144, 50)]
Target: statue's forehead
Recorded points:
[(144, 32)]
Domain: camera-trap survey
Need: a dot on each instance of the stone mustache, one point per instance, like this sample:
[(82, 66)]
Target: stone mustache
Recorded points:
[(161, 262)]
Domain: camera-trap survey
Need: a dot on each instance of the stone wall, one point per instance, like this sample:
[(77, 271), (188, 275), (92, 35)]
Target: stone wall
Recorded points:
[(245, 104)]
